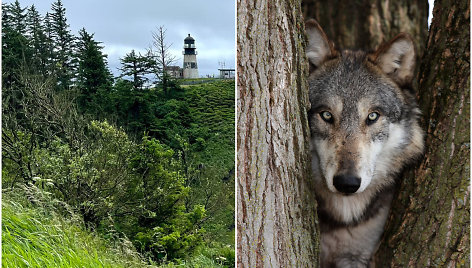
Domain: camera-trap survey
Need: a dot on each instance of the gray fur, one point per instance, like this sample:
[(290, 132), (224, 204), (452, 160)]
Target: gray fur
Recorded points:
[(350, 85)]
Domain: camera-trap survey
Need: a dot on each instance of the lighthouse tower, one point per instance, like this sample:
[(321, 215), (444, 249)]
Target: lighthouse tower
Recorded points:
[(190, 69)]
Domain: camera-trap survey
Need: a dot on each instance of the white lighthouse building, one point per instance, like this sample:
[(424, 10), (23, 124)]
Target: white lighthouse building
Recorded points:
[(190, 69)]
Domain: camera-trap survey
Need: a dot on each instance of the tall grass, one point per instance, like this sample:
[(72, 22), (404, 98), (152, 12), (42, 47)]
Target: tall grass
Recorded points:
[(36, 236), (38, 231)]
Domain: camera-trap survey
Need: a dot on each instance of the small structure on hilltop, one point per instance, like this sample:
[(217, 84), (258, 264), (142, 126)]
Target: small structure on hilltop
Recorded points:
[(190, 68), (227, 73), (175, 71)]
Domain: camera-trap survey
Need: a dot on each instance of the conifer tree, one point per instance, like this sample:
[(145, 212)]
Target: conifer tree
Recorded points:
[(93, 77), (138, 67), (15, 49), (38, 40), (14, 17), (63, 44), (49, 44)]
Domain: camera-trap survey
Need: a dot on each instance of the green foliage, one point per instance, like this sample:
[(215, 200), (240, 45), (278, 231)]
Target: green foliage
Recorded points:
[(89, 178), (198, 124), (211, 155), (94, 80), (176, 238), (35, 235), (14, 17), (62, 43), (137, 67), (19, 158), (39, 41), (137, 187), (213, 255), (15, 45)]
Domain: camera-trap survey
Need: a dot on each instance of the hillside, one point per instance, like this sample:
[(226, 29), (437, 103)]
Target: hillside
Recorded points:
[(38, 236), (110, 183)]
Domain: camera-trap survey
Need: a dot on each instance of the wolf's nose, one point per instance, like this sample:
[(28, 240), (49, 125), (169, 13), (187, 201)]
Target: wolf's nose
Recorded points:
[(346, 184)]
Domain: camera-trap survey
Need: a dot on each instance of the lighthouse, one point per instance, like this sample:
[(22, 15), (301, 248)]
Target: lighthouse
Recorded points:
[(190, 69)]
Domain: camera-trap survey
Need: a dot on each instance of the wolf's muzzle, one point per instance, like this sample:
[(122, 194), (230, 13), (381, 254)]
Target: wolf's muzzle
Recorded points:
[(346, 183)]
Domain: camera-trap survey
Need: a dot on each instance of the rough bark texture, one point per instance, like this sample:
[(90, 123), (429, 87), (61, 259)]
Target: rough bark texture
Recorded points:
[(430, 221), (365, 24), (277, 225)]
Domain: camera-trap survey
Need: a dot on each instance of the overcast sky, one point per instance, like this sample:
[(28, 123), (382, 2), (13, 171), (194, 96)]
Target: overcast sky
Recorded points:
[(126, 25)]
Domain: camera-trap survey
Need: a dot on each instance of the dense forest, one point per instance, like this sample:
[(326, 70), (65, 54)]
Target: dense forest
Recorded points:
[(138, 165)]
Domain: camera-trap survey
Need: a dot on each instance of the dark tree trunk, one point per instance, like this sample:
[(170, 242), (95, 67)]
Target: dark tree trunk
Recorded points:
[(365, 24), (430, 221), (276, 207)]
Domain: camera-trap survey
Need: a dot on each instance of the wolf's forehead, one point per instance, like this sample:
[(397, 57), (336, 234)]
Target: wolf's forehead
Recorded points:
[(349, 80), (350, 76)]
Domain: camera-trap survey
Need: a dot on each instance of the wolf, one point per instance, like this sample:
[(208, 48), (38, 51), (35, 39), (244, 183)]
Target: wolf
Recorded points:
[(364, 124)]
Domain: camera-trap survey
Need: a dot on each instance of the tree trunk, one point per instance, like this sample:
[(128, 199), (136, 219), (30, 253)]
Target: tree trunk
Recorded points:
[(276, 208), (365, 24), (430, 220)]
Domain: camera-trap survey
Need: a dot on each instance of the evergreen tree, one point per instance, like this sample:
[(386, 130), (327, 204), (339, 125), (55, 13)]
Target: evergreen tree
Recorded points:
[(49, 44), (38, 40), (15, 49), (138, 67), (93, 77), (14, 17), (63, 45)]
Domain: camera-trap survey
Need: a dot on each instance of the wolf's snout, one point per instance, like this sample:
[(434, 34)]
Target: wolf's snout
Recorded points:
[(346, 183)]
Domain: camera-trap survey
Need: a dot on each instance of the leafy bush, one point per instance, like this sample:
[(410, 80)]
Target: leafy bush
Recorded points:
[(175, 239), (120, 186)]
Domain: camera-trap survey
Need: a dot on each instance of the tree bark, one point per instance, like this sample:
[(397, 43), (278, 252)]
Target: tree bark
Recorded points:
[(277, 224), (365, 24), (430, 221)]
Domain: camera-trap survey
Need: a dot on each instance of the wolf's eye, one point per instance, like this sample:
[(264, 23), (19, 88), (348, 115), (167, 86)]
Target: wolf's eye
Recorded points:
[(372, 117), (327, 116)]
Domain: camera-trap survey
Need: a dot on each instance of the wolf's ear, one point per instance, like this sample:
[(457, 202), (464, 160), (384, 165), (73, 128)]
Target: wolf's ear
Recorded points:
[(397, 58), (319, 48)]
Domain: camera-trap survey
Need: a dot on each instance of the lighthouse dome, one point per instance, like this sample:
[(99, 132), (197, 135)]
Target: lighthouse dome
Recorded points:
[(189, 39)]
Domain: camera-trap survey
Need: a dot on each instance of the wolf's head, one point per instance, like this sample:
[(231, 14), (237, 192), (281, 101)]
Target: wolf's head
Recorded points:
[(363, 117)]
